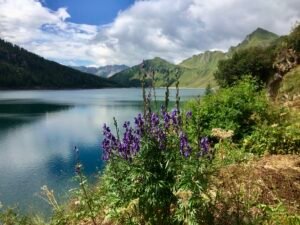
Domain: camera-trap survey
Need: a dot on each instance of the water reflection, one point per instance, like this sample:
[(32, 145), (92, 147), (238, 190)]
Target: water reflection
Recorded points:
[(38, 133)]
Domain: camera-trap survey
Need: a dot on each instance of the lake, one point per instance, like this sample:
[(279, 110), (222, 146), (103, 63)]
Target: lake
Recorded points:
[(40, 129)]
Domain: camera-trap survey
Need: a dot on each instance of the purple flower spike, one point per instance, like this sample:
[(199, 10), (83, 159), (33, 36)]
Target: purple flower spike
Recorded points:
[(154, 120), (204, 145), (188, 114), (126, 124), (174, 117), (139, 124), (185, 148)]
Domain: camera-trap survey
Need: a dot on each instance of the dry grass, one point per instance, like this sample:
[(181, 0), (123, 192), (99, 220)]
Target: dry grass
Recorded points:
[(269, 180)]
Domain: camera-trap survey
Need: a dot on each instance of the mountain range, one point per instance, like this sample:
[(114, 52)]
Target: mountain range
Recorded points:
[(102, 71), (196, 71), (21, 69)]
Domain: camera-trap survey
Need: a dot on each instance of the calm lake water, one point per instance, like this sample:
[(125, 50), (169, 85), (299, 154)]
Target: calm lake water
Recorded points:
[(40, 129)]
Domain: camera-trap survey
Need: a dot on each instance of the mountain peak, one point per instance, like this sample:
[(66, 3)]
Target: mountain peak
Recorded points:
[(157, 61), (260, 30), (258, 38), (261, 34)]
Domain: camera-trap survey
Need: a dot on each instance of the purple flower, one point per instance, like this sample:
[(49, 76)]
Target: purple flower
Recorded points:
[(174, 113), (185, 148), (109, 143), (153, 128), (189, 114), (154, 120), (139, 124), (174, 117), (126, 124), (166, 117), (106, 128), (204, 145), (126, 148), (161, 138)]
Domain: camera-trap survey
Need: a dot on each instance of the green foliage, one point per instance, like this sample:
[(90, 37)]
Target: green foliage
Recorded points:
[(258, 126), (208, 90), (234, 108), (20, 69), (290, 84), (156, 187), (278, 215), (12, 216), (282, 137), (257, 62), (227, 153), (293, 40)]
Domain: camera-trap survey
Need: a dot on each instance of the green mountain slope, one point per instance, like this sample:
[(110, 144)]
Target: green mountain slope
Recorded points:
[(203, 66), (132, 76), (196, 71), (199, 69), (258, 38), (20, 69)]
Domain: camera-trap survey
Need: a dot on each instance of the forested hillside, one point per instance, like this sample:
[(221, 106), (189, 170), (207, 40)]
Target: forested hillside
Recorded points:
[(20, 69)]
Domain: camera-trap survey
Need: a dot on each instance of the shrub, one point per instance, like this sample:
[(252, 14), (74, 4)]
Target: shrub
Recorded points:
[(12, 216), (293, 40), (279, 138), (257, 62), (238, 108)]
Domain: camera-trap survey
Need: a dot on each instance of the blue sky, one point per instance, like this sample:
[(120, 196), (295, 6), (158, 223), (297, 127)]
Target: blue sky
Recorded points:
[(106, 32), (94, 12)]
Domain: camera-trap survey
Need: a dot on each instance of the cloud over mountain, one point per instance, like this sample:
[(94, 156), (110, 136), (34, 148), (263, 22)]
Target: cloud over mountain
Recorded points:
[(171, 29)]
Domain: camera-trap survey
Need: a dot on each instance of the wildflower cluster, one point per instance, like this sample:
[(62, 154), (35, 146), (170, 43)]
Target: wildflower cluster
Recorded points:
[(154, 126), (125, 148)]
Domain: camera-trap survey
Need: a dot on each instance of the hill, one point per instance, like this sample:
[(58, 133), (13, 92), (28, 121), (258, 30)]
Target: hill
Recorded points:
[(21, 69), (203, 66), (258, 38), (131, 76), (102, 71), (198, 70)]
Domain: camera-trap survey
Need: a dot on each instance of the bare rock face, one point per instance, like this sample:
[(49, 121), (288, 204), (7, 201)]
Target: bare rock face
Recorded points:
[(286, 60)]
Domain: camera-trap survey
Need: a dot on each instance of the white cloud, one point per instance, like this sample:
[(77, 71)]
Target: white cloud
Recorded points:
[(172, 29)]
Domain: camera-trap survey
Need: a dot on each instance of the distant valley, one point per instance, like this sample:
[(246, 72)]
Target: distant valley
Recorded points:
[(102, 71)]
